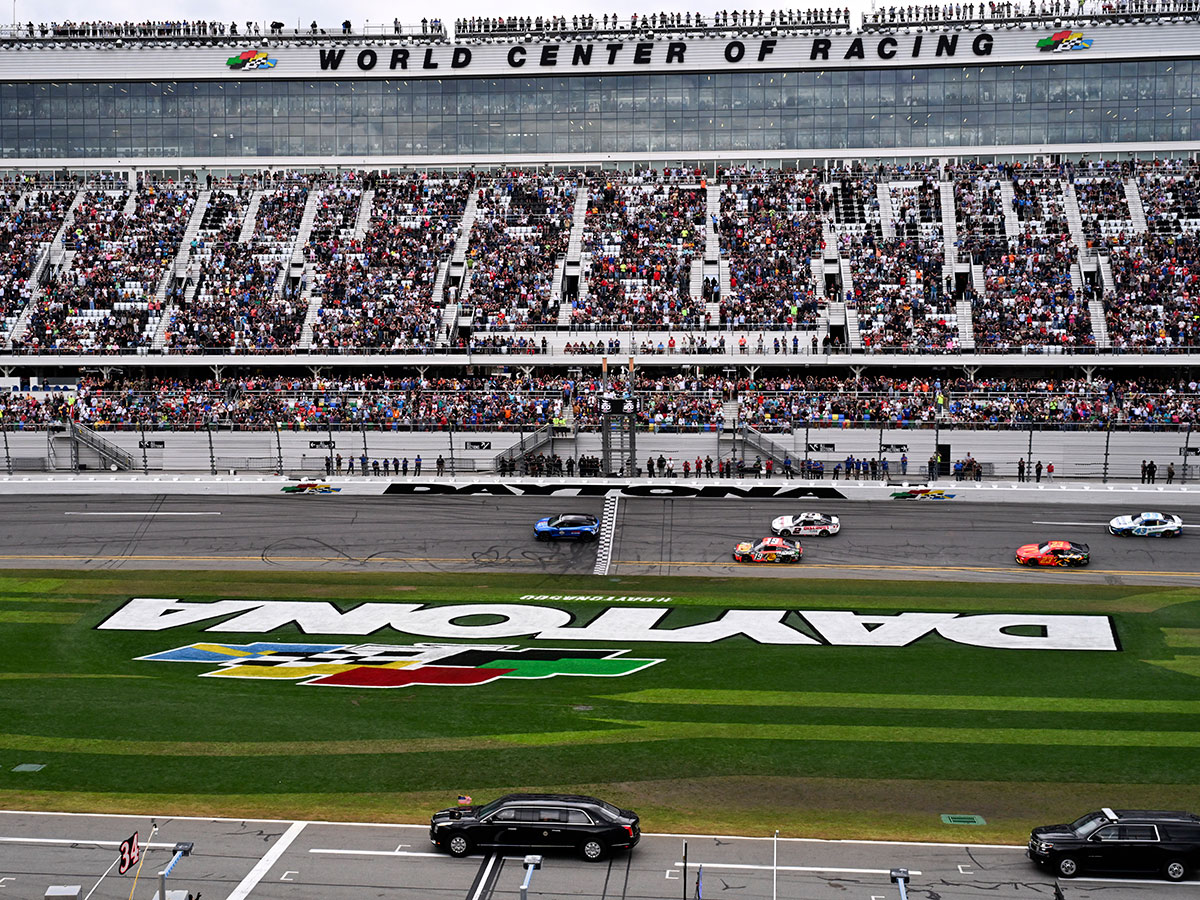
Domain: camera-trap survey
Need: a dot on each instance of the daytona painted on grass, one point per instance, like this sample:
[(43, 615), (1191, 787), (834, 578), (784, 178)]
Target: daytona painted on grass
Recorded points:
[(849, 708)]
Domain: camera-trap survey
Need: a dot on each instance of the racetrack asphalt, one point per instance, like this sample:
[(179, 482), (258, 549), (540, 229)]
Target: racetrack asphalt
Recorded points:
[(879, 539), (284, 860)]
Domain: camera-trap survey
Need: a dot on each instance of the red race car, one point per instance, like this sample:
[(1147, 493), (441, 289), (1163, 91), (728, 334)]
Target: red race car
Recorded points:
[(1054, 553)]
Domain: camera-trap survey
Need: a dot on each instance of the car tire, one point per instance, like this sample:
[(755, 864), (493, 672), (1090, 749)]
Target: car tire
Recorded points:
[(1175, 870), (1176, 533), (587, 537), (593, 850), (1066, 867), (539, 535), (458, 846), (785, 532), (824, 532)]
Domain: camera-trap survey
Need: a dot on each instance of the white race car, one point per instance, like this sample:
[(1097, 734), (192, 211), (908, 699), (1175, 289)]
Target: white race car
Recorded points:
[(806, 523), (1147, 524)]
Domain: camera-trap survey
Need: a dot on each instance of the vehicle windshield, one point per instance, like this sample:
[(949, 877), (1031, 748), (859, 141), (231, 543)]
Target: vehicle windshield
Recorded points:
[(555, 521), (1085, 825), (488, 809), (608, 808)]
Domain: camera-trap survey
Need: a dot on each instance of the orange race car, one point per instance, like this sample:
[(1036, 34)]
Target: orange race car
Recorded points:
[(1054, 553), (769, 550)]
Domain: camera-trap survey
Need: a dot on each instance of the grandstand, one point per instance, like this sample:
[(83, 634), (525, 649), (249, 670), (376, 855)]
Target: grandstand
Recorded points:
[(772, 219)]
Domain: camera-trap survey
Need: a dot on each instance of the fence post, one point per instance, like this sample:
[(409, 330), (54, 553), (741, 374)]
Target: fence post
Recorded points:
[(8, 456), (1187, 449), (278, 450), (1107, 438), (145, 461), (212, 457), (1029, 452)]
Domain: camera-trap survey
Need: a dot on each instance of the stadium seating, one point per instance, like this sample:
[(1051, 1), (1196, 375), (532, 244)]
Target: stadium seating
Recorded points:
[(920, 258)]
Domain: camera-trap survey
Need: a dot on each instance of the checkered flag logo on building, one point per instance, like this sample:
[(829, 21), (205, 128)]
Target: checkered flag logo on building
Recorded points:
[(1065, 40), (389, 666)]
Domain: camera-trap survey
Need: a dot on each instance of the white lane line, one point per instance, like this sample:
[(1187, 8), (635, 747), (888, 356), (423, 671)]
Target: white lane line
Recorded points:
[(263, 866), (29, 840), (374, 852), (1158, 881), (741, 837), (141, 514), (757, 868), (484, 882)]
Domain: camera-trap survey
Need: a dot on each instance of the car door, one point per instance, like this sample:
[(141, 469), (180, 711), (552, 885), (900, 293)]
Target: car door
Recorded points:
[(1104, 849), (1141, 851), (501, 829), (549, 828)]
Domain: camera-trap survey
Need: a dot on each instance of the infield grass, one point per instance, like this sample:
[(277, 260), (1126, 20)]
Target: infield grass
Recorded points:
[(732, 737)]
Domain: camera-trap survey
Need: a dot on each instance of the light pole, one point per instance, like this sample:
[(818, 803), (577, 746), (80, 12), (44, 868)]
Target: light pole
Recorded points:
[(900, 879)]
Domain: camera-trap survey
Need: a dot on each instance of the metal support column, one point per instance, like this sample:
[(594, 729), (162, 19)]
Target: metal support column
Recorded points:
[(212, 457), (145, 461), (8, 456)]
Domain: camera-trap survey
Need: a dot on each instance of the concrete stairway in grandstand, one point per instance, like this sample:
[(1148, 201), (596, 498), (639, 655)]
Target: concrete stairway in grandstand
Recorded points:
[(978, 282), (177, 269), (887, 214), (22, 324), (712, 236), (1076, 273), (573, 263), (1106, 276), (130, 205), (816, 265), (853, 335), (1074, 219), (363, 220), (949, 221), (1012, 224), (730, 410), (447, 324), (1099, 324), (312, 308), (712, 265), (966, 324), (458, 258), (304, 232), (1137, 211), (251, 220)]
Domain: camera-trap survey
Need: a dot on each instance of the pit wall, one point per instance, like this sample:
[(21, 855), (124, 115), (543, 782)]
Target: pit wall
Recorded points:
[(1090, 456)]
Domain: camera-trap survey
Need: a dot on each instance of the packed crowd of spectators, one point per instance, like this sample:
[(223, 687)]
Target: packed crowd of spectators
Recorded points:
[(1028, 301), (771, 226), (1103, 207), (104, 295), (1171, 199), (773, 18), (378, 292), (380, 242), (1153, 306), (522, 226), (898, 296), (235, 299), (1039, 205), (668, 401), (28, 222), (1021, 9), (642, 234), (979, 206)]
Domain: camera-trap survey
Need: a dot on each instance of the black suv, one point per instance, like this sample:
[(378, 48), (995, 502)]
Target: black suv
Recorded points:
[(537, 821), (1122, 840)]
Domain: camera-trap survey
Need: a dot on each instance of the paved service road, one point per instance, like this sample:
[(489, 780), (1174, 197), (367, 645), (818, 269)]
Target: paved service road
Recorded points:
[(879, 539), (272, 860)]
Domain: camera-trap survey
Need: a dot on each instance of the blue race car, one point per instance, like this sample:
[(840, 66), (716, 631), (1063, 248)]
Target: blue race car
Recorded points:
[(569, 525)]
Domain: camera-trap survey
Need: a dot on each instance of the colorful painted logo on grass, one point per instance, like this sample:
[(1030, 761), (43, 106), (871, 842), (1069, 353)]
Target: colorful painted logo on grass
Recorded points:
[(921, 494), (310, 487), (1065, 40), (391, 666), (251, 59)]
